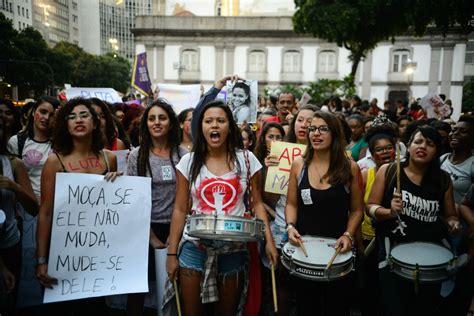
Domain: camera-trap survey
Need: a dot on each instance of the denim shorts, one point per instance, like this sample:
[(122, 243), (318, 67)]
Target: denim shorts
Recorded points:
[(193, 258)]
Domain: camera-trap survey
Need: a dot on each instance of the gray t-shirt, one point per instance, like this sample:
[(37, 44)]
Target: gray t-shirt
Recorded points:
[(163, 184), (460, 175)]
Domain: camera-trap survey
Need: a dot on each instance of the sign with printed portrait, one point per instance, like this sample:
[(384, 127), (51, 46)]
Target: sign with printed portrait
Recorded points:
[(242, 98)]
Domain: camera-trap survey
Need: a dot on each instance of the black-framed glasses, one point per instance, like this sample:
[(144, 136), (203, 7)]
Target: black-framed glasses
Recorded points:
[(323, 129)]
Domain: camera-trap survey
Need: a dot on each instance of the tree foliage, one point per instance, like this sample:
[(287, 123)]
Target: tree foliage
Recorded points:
[(27, 62), (468, 96), (361, 24)]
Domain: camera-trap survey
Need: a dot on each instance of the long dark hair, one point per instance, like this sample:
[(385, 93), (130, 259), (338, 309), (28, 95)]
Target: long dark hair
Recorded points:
[(62, 140), (433, 173), (291, 137), (234, 141), (261, 149), (31, 114), (146, 142), (16, 127), (339, 170), (181, 119), (110, 133)]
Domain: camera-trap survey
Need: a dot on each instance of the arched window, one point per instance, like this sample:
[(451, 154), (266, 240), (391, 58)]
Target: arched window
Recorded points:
[(291, 61), (327, 61)]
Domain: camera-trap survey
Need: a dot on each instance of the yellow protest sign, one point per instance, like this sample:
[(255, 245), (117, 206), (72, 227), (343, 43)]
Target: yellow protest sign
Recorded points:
[(278, 176)]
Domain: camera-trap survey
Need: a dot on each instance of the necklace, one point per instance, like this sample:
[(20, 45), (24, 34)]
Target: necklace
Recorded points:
[(319, 175)]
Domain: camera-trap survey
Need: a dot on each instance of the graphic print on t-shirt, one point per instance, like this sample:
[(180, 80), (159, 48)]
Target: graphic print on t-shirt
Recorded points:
[(220, 195), (418, 208)]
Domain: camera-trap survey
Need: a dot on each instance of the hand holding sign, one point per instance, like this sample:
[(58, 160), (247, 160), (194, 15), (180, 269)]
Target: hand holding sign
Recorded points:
[(278, 176), (92, 252)]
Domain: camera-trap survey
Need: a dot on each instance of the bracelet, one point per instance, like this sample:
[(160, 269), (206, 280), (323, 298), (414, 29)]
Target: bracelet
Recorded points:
[(373, 209), (172, 254), (41, 260), (349, 235), (289, 226)]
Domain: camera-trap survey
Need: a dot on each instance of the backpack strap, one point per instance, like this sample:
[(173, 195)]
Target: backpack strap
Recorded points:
[(21, 136)]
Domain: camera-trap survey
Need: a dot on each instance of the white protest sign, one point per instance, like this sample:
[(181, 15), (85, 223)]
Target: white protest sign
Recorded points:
[(434, 106), (100, 235), (105, 94), (180, 96), (29, 288)]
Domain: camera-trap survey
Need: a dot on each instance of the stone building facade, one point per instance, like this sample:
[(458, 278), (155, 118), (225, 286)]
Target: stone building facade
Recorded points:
[(199, 49)]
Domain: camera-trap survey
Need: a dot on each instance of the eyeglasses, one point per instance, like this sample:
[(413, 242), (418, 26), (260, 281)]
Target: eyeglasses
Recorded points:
[(323, 129), (380, 150), (74, 116)]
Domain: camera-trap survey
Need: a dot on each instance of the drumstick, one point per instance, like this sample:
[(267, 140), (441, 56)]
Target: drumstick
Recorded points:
[(398, 167), (369, 248), (303, 248), (338, 249), (275, 300), (178, 305)]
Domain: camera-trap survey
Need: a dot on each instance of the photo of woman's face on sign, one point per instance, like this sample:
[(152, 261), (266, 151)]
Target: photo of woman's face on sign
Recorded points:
[(242, 100)]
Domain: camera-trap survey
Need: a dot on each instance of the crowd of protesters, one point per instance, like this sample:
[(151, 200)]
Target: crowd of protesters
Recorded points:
[(340, 188)]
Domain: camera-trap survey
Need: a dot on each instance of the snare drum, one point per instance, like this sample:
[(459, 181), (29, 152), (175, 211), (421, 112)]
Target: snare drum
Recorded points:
[(320, 250), (225, 227), (422, 261)]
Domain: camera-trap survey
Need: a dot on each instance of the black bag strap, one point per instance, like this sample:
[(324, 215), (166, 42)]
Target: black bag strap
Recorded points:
[(21, 136)]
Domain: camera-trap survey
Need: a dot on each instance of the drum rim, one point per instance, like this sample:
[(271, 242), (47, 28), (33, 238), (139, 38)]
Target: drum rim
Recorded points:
[(224, 216), (349, 258), (422, 265)]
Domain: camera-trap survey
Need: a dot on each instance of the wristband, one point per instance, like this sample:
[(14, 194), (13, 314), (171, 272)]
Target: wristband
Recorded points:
[(289, 226), (373, 209), (349, 235), (41, 260), (171, 254)]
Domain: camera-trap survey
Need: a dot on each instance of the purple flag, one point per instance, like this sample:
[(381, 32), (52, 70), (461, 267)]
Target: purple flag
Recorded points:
[(140, 78)]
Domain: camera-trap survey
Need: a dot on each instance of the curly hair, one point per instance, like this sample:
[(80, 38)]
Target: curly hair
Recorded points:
[(234, 141), (62, 139), (146, 143), (339, 165)]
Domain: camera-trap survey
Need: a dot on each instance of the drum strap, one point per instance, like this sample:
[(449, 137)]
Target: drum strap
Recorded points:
[(248, 201)]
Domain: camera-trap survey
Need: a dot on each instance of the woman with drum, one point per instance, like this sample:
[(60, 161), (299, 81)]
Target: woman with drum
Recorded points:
[(409, 212), (78, 148), (325, 199), (214, 176), (157, 156)]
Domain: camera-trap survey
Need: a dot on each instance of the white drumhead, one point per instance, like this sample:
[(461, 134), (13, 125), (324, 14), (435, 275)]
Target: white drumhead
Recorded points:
[(422, 253), (319, 249)]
